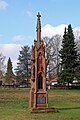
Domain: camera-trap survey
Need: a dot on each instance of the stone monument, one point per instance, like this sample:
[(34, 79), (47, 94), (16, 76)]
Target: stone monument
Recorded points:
[(38, 99), (38, 92)]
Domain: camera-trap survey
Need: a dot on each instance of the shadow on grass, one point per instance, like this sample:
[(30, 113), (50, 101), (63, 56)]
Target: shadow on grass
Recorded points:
[(68, 108)]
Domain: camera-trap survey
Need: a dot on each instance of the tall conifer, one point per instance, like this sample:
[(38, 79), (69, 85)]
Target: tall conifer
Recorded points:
[(68, 54), (9, 73), (23, 70)]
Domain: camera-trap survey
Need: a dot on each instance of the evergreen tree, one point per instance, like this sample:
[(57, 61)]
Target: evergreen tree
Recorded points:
[(9, 74), (68, 54), (23, 70)]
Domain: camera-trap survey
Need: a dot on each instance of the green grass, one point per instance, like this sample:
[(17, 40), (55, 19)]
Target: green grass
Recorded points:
[(14, 104)]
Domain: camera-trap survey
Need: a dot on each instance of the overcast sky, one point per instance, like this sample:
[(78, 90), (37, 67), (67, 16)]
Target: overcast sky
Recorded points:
[(18, 21)]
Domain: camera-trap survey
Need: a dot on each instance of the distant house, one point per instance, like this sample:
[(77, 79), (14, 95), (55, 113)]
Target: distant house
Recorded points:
[(52, 81)]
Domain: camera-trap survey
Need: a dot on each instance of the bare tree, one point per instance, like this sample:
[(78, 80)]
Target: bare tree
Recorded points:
[(52, 47), (2, 64), (57, 45)]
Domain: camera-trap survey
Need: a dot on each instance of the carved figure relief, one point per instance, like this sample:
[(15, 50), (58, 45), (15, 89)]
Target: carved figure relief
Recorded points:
[(40, 67)]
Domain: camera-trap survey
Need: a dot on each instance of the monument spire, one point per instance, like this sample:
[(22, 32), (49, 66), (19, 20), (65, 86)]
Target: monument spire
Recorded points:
[(38, 28)]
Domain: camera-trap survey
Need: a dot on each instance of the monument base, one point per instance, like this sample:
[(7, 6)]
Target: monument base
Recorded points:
[(41, 99), (43, 110)]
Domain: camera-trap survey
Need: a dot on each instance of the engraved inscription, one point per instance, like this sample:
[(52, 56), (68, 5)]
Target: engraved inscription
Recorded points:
[(41, 100)]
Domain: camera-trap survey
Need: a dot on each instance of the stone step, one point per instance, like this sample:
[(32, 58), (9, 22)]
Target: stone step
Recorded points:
[(43, 110)]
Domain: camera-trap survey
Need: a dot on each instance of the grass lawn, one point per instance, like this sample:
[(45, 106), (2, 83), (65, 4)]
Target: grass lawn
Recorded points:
[(14, 104)]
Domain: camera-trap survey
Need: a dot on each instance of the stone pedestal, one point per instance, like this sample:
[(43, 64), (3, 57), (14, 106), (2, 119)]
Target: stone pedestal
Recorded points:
[(41, 99)]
